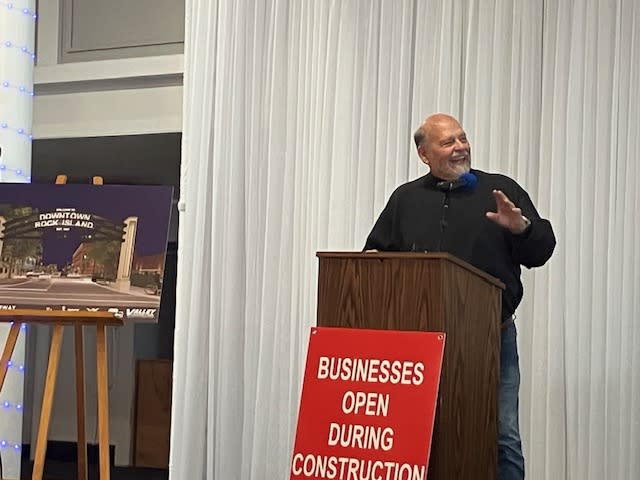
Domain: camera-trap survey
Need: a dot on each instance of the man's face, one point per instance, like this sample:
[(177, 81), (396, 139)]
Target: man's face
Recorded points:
[(445, 149)]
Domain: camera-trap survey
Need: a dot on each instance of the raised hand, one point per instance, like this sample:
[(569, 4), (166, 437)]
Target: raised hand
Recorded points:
[(508, 215)]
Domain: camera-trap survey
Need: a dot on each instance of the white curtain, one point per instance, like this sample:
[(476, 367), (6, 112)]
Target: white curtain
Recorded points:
[(297, 126)]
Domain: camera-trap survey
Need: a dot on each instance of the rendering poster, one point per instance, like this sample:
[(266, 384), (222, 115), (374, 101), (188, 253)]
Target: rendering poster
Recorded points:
[(84, 248)]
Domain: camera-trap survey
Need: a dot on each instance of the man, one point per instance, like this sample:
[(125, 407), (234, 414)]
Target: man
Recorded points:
[(485, 219)]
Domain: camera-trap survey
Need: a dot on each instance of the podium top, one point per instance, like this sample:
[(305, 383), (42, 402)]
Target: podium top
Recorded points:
[(414, 256)]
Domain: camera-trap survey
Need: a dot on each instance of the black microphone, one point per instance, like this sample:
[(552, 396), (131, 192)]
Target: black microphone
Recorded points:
[(466, 181), (443, 220)]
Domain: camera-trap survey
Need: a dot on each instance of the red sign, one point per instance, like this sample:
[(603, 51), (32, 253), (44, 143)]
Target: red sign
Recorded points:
[(368, 405)]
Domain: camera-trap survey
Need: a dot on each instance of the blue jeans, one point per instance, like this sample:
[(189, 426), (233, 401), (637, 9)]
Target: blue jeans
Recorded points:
[(510, 459)]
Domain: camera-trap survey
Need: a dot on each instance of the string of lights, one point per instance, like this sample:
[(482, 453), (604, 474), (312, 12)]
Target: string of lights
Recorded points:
[(18, 173), (19, 131), (17, 59), (20, 88), (24, 10), (16, 87), (24, 49), (11, 407)]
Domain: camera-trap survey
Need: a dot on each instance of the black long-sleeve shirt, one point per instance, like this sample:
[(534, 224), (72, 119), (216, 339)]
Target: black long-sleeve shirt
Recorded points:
[(421, 217)]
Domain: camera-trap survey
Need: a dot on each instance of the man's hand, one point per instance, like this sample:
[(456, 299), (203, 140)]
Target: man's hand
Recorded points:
[(508, 215)]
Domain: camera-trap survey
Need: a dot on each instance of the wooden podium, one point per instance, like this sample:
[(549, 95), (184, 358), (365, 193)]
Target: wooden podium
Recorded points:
[(430, 292)]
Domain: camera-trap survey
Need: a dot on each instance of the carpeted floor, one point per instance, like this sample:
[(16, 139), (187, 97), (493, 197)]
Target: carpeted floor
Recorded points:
[(60, 464), (57, 470)]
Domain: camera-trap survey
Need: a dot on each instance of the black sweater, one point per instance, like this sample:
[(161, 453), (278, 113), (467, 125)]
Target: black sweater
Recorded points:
[(421, 217)]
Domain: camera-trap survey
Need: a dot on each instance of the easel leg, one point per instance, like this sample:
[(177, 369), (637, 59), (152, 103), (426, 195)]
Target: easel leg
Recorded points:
[(9, 346), (103, 400), (80, 404), (47, 402)]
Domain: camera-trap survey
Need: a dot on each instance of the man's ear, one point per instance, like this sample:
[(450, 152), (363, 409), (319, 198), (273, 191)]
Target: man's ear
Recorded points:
[(423, 154)]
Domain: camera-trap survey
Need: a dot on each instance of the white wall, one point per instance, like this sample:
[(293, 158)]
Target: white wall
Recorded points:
[(94, 98), (107, 97)]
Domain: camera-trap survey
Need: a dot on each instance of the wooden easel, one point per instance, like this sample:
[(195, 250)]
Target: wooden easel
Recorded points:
[(58, 319)]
